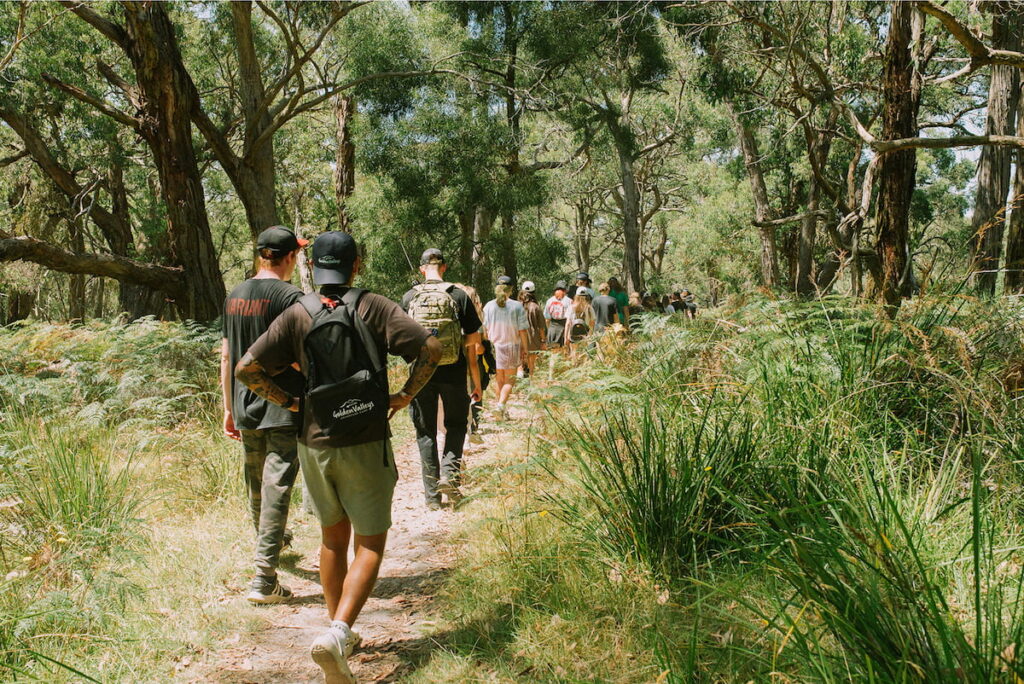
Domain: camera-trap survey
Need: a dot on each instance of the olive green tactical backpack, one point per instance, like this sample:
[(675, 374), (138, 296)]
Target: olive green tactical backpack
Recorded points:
[(433, 307)]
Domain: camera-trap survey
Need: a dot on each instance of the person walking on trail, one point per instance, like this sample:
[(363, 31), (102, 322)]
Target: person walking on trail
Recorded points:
[(267, 433), (447, 313), (689, 303), (558, 314), (606, 309), (621, 300), (583, 319), (340, 338), (536, 334), (485, 368), (582, 281), (506, 326)]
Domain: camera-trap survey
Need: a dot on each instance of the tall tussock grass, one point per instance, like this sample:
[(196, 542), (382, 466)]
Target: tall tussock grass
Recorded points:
[(94, 421), (865, 472)]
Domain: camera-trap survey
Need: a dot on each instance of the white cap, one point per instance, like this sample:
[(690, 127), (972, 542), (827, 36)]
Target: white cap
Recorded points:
[(528, 286)]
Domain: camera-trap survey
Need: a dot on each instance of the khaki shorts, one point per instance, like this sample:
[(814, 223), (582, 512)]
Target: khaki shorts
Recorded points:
[(351, 483)]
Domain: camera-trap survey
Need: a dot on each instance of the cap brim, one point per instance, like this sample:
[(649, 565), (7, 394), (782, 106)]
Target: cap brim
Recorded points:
[(329, 276)]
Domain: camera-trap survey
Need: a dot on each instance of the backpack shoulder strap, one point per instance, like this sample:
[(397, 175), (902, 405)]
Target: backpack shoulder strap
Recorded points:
[(350, 300), (352, 297), (311, 303)]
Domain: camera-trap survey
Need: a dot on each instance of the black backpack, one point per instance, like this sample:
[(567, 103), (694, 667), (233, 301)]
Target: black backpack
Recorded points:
[(346, 380)]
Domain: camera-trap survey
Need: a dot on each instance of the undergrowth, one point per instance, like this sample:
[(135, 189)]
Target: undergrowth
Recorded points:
[(780, 491)]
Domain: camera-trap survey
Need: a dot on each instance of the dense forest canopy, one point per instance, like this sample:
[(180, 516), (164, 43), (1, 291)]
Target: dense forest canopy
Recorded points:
[(867, 148)]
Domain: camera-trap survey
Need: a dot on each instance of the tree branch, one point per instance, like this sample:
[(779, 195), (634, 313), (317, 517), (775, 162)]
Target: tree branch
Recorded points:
[(23, 248), (7, 161), (881, 146), (112, 31), (820, 213), (980, 53), (94, 102)]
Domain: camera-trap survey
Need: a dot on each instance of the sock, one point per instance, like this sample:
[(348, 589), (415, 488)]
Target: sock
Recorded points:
[(342, 625)]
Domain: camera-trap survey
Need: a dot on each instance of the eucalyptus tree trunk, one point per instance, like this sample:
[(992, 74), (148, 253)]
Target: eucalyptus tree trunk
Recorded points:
[(483, 221), (762, 210), (805, 284), (255, 174), (344, 159), (896, 175), (76, 281), (166, 128), (1014, 282), (989, 219), (631, 266)]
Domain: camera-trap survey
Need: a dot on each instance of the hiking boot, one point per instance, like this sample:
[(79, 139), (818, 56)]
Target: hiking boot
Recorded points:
[(433, 505), (331, 651), (267, 590), (475, 438), (448, 489)]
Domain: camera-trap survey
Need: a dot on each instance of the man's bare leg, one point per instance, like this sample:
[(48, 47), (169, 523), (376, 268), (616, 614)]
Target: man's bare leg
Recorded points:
[(346, 589), (362, 575), (334, 562)]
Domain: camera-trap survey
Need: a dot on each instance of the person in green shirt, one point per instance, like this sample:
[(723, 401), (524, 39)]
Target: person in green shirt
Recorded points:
[(621, 298)]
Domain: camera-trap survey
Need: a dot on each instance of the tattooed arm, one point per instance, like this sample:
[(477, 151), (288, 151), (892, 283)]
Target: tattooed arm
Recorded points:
[(419, 374), (250, 373)]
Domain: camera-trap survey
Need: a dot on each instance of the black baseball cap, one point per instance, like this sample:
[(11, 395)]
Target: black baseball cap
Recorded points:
[(504, 280), (583, 275), (279, 239), (334, 255), (431, 256)]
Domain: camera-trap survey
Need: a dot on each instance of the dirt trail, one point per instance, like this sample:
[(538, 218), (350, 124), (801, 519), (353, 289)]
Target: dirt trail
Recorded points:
[(392, 624)]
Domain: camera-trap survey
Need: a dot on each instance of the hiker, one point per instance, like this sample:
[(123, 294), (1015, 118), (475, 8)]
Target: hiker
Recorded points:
[(582, 325), (621, 300), (485, 369), (506, 326), (447, 312), (606, 309), (558, 313), (536, 334), (636, 307), (267, 433), (582, 281), (689, 303), (340, 337)]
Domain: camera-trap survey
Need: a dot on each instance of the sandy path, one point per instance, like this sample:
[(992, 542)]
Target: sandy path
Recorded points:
[(393, 622)]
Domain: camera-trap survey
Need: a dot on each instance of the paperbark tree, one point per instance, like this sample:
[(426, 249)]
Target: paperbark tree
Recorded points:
[(993, 181), (900, 93)]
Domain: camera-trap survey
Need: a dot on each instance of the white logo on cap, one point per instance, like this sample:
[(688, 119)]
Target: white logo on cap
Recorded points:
[(328, 259)]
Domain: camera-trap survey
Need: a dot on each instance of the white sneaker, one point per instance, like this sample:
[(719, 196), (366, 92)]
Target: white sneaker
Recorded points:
[(331, 651)]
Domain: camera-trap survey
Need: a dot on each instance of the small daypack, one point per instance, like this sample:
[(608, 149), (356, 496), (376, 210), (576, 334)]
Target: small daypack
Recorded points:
[(346, 380), (434, 308), (579, 330)]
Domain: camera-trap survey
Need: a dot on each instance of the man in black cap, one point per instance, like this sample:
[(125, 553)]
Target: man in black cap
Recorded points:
[(447, 311), (582, 280), (267, 432), (351, 482)]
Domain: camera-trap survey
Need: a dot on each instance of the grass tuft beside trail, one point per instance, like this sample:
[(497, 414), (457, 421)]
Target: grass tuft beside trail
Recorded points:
[(794, 492)]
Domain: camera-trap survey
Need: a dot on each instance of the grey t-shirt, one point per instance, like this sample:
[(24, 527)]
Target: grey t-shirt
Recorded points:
[(605, 311)]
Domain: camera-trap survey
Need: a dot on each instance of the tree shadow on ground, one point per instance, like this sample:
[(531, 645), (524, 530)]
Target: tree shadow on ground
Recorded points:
[(485, 635), (426, 584)]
